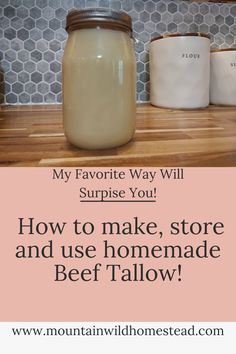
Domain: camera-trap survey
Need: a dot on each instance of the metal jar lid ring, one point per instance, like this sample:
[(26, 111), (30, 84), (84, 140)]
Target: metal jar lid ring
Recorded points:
[(98, 17)]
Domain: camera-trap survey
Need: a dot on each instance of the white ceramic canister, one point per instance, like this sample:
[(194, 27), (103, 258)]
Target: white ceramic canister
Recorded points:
[(180, 71), (99, 79), (223, 77)]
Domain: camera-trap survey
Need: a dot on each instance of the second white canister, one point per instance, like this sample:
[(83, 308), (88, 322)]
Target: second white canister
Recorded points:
[(223, 77), (180, 71)]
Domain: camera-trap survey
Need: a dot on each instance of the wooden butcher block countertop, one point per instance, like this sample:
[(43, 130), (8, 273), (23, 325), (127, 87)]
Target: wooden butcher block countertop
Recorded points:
[(33, 136)]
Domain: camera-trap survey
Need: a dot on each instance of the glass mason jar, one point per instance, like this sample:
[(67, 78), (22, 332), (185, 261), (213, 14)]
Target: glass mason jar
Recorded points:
[(99, 79)]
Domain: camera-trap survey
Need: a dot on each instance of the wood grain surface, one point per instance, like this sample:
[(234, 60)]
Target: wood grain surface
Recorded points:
[(33, 136)]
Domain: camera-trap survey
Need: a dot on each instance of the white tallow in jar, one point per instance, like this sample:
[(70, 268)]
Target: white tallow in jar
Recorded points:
[(223, 77), (180, 71), (99, 79)]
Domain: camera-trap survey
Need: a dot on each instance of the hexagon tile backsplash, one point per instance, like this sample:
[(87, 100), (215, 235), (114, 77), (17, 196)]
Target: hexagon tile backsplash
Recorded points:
[(32, 38)]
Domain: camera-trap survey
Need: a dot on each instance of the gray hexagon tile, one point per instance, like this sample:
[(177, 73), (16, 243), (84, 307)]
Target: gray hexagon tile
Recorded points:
[(32, 38)]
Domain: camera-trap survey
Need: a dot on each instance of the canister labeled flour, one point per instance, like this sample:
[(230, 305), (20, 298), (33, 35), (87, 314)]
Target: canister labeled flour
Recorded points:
[(180, 71), (223, 77), (99, 79)]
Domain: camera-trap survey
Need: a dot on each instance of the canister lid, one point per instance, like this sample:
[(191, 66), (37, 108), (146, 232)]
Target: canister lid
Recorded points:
[(98, 17), (188, 34), (223, 50)]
